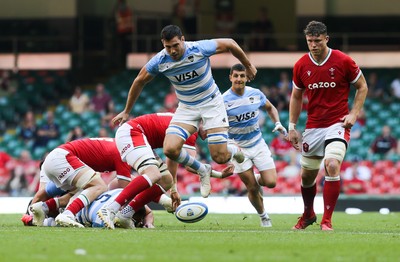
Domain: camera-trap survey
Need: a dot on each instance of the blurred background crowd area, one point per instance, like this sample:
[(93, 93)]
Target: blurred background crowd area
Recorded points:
[(41, 109)]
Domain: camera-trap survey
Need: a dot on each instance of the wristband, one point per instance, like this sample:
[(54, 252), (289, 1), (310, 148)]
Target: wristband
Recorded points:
[(174, 188), (292, 126)]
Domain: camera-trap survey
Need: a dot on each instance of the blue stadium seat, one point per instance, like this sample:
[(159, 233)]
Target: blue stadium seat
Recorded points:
[(38, 152)]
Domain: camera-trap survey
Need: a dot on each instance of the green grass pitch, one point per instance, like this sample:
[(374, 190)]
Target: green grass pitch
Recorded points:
[(219, 237)]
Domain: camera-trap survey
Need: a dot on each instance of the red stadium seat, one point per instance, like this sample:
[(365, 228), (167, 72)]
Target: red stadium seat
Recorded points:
[(280, 165), (366, 163), (345, 165), (383, 164)]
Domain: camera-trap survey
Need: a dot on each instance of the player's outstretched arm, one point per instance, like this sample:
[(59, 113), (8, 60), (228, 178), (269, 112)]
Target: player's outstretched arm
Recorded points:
[(229, 45)]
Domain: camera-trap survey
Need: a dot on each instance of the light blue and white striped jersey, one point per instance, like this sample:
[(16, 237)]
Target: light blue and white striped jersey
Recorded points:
[(88, 215), (191, 75), (243, 115)]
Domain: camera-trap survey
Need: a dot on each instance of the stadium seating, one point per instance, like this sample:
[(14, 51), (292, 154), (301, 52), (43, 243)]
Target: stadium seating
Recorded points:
[(34, 92)]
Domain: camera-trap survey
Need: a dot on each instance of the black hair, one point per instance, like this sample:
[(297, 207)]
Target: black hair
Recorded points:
[(170, 31), (315, 28), (138, 217), (237, 67)]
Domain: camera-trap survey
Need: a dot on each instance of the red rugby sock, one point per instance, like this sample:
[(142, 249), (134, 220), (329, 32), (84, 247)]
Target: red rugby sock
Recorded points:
[(145, 197), (308, 194), (136, 186), (330, 194)]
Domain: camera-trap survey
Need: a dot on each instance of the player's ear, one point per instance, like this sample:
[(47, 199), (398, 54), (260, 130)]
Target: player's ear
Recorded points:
[(327, 38), (183, 38)]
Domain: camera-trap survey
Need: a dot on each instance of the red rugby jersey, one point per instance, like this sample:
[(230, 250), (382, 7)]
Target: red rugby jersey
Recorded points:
[(327, 86), (101, 154), (154, 127)]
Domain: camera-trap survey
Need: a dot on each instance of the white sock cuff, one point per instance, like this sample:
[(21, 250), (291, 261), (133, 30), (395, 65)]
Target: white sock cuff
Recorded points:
[(308, 186), (148, 179), (332, 178), (57, 202), (83, 197), (162, 189), (264, 214), (163, 198)]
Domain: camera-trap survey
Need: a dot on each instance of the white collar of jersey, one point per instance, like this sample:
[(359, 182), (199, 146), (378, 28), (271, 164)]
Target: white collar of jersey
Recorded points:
[(323, 62)]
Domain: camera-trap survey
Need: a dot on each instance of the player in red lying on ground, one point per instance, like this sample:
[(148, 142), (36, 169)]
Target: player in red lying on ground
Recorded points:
[(325, 75)]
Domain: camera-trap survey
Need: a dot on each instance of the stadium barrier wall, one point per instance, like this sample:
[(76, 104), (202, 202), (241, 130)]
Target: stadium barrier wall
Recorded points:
[(36, 61), (55, 61), (241, 205), (281, 59)]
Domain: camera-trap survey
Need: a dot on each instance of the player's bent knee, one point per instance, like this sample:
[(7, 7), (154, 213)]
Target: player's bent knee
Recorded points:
[(164, 169), (219, 157), (335, 150), (141, 165), (310, 163), (270, 184), (86, 178), (172, 145)]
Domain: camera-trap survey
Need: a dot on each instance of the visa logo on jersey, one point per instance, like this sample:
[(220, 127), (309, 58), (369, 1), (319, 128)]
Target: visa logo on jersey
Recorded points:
[(245, 116), (186, 76)]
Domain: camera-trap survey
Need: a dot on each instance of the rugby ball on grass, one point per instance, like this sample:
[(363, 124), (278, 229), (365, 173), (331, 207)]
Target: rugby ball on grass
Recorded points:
[(191, 212)]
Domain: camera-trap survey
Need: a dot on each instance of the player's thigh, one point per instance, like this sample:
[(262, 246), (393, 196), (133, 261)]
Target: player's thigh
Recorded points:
[(87, 178), (261, 156), (269, 176), (218, 148), (177, 134)]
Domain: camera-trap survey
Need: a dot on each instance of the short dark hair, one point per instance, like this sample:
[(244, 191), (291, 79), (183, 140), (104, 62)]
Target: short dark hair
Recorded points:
[(237, 67), (170, 31), (315, 28)]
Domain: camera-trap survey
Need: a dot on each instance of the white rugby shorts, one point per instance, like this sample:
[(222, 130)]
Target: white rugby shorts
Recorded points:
[(132, 145), (313, 141), (258, 156), (61, 167), (212, 112)]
